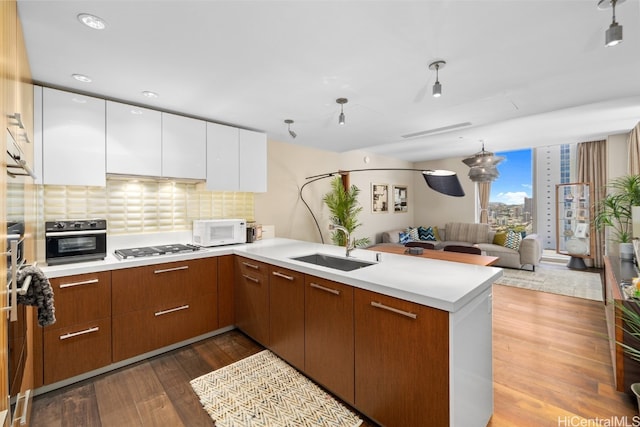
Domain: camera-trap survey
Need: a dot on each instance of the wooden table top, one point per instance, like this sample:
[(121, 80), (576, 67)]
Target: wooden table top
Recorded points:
[(442, 255)]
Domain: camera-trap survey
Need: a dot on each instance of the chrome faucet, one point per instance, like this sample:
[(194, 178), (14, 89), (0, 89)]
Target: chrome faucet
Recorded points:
[(350, 245)]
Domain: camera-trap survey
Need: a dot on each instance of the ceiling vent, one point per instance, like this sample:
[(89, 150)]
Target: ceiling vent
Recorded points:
[(437, 130)]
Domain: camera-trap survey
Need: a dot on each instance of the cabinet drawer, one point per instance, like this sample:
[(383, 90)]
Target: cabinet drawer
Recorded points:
[(140, 331), (252, 268), (75, 350), (157, 285), (81, 298)]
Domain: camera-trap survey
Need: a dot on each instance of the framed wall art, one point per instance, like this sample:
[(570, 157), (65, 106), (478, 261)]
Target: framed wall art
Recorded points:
[(400, 200), (379, 198)]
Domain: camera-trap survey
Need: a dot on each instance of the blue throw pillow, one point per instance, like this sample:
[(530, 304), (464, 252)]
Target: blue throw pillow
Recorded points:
[(428, 233), (405, 237)]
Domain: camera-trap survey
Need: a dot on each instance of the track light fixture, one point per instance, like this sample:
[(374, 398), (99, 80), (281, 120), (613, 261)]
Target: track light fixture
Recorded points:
[(341, 101), (437, 87), (289, 122), (613, 35)]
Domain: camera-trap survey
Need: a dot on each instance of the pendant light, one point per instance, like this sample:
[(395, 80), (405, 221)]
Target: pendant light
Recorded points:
[(483, 166), (289, 122), (341, 101), (613, 35), (437, 87)]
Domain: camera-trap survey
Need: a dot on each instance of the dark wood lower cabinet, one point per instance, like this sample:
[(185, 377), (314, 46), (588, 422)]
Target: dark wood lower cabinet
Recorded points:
[(76, 349), (226, 286), (401, 361), (141, 331), (251, 299), (328, 339), (286, 323)]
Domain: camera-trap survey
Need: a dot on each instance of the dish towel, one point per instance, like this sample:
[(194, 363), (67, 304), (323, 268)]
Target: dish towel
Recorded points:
[(39, 294)]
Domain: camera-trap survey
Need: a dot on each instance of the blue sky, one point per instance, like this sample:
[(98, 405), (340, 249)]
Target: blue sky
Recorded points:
[(514, 182)]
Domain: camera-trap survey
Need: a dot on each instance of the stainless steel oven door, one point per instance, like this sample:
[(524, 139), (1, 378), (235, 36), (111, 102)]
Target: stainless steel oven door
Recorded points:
[(72, 246)]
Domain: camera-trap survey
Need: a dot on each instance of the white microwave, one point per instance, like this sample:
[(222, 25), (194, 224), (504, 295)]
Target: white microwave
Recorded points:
[(217, 232)]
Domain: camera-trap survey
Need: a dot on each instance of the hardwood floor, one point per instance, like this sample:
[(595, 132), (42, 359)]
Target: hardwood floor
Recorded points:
[(551, 368)]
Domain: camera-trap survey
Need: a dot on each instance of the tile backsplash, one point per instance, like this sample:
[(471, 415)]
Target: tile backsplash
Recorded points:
[(142, 206)]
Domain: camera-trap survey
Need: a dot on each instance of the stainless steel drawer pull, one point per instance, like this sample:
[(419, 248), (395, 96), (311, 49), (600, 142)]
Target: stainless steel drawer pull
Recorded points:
[(84, 282), (75, 334), (167, 270), (255, 267), (284, 276), (253, 279), (322, 288), (171, 310), (395, 310)]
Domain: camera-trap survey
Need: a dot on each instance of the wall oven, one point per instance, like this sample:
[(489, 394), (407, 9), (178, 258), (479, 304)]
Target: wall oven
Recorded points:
[(75, 240)]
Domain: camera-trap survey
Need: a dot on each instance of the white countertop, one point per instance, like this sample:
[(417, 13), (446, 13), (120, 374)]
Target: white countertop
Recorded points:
[(440, 284)]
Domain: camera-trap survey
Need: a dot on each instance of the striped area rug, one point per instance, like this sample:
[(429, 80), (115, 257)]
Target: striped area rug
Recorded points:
[(262, 390)]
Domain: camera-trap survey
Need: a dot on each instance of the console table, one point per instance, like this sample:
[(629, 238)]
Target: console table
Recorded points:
[(441, 255), (626, 371)]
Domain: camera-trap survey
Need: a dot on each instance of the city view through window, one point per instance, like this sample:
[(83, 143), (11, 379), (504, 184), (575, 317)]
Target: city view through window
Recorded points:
[(511, 202)]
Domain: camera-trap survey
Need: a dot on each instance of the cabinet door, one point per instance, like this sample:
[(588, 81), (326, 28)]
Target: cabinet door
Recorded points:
[(73, 139), (223, 158), (253, 161), (286, 322), (251, 299), (401, 361), (184, 147), (134, 141), (329, 335), (226, 285)]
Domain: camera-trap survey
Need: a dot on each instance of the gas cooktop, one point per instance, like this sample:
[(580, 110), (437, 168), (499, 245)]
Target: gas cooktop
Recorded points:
[(154, 250)]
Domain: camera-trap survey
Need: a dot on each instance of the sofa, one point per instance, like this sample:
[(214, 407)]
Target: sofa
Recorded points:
[(518, 252)]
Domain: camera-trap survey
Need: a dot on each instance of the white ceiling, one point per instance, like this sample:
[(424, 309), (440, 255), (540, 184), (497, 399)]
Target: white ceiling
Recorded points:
[(522, 73)]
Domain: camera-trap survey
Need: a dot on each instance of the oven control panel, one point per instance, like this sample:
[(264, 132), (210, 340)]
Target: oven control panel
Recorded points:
[(78, 225)]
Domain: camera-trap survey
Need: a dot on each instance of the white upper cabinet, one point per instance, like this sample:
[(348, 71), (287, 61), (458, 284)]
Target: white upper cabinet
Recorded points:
[(134, 140), (236, 159), (253, 161), (72, 138), (223, 158), (184, 147)]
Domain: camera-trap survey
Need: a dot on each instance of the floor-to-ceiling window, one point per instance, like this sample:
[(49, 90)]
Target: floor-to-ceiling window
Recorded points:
[(511, 202)]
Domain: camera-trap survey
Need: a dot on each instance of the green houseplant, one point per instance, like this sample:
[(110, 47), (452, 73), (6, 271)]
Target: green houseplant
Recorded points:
[(344, 208), (614, 210)]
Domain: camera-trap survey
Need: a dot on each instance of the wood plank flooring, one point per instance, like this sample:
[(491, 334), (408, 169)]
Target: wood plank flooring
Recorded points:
[(551, 363)]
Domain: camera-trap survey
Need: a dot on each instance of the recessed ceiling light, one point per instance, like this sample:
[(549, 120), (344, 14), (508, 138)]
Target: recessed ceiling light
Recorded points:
[(136, 111), (79, 100), (82, 78), (92, 21), (149, 94)]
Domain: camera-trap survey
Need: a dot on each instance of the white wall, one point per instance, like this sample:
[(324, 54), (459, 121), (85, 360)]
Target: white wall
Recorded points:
[(289, 164), (433, 208)]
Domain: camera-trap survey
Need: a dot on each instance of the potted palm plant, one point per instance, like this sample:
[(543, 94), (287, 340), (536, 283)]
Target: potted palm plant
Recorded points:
[(344, 207), (614, 211)]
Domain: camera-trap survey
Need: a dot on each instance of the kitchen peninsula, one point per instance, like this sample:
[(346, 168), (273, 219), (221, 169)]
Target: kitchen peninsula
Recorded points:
[(417, 341)]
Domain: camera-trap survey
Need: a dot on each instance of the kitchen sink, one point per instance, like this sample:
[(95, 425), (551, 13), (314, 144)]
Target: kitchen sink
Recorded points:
[(339, 263)]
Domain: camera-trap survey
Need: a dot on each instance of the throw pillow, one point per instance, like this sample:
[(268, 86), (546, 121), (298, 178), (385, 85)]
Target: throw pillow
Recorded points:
[(500, 238), (428, 233), (513, 240), (404, 237), (413, 232)]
